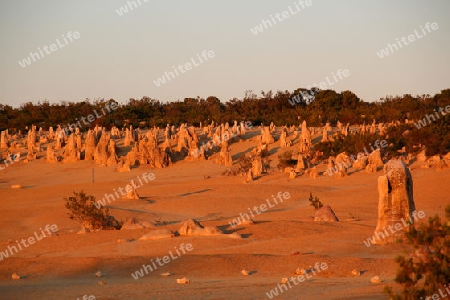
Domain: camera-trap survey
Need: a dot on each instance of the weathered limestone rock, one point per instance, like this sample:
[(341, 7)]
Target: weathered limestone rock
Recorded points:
[(325, 135), (133, 223), (375, 158), (157, 235), (302, 163), (360, 163), (112, 156), (374, 161), (396, 202), (101, 151), (3, 140), (132, 155), (306, 135), (71, 152), (51, 157), (59, 142), (249, 176), (184, 138), (325, 214), (31, 139), (284, 143), (30, 156), (89, 149), (225, 155), (338, 166), (313, 173), (346, 130), (128, 138), (243, 129), (257, 166), (266, 135), (363, 129), (131, 191), (123, 166), (437, 162), (193, 227), (292, 173)]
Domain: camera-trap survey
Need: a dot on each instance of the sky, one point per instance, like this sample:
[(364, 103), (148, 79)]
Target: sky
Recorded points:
[(122, 56)]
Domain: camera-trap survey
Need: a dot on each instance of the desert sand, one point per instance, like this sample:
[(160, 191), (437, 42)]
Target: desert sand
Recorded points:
[(64, 266)]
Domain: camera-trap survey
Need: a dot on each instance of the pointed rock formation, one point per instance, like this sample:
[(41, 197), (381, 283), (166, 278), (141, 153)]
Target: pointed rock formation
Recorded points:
[(396, 202)]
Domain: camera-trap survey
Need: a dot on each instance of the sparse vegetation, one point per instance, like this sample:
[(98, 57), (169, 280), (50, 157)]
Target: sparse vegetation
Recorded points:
[(285, 160), (315, 202), (81, 208), (244, 163), (160, 223), (427, 269)]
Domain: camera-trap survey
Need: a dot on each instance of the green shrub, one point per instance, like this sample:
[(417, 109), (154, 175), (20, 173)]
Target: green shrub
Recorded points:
[(427, 269), (315, 202), (82, 208)]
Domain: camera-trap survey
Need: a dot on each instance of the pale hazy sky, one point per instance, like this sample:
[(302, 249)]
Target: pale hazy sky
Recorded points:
[(120, 56)]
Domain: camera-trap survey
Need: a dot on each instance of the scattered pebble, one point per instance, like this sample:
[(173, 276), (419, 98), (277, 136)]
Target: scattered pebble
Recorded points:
[(356, 273), (16, 186), (120, 241), (300, 271), (183, 280), (245, 273), (100, 282), (166, 274), (284, 280), (98, 274), (15, 276), (375, 279)]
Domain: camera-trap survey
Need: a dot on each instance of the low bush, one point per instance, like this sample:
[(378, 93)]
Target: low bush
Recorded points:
[(82, 208)]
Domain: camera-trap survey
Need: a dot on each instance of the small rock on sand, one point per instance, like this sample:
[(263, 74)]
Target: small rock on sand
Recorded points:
[(158, 234), (375, 279), (15, 276), (183, 280), (120, 241)]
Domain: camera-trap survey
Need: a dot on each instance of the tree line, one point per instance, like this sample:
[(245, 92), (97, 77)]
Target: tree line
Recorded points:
[(326, 106)]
